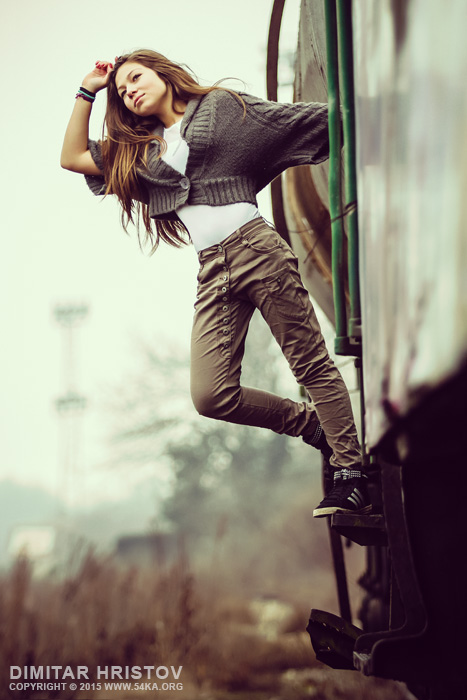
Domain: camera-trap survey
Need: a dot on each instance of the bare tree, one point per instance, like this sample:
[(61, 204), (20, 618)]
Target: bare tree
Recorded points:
[(218, 470)]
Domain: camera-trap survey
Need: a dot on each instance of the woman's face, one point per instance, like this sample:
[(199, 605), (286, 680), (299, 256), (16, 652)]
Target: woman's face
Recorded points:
[(143, 92)]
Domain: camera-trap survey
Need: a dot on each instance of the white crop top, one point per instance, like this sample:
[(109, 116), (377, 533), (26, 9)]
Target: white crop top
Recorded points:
[(206, 225)]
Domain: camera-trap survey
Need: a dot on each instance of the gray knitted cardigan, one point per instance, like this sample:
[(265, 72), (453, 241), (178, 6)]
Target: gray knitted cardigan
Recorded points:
[(231, 158)]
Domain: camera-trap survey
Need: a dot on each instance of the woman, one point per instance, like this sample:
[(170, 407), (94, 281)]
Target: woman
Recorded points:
[(189, 161)]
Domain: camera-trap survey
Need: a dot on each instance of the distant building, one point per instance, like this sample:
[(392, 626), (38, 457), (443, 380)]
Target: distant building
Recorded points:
[(146, 550)]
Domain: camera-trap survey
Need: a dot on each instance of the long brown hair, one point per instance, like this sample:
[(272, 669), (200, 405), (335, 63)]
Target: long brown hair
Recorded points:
[(128, 137)]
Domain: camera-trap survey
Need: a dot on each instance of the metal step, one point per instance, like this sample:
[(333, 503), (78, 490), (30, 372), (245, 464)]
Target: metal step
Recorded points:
[(333, 639), (365, 530)]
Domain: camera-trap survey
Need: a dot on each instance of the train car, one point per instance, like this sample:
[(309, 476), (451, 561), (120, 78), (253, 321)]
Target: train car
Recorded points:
[(382, 243)]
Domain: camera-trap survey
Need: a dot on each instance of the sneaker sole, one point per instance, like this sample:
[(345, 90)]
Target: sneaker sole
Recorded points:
[(330, 510)]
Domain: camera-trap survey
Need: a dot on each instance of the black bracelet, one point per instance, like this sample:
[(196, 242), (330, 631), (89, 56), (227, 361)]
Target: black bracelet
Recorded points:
[(87, 92)]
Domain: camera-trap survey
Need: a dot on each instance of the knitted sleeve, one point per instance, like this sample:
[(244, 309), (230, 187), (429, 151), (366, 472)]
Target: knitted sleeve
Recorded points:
[(304, 125), (270, 137), (96, 183)]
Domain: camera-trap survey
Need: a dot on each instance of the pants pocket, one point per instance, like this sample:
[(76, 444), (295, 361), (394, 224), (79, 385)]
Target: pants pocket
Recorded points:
[(287, 294), (264, 240)]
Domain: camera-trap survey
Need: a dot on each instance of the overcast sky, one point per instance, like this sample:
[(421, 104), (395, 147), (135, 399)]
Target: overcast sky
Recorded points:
[(62, 245)]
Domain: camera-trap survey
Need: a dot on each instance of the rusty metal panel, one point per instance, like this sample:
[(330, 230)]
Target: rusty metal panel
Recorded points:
[(411, 101)]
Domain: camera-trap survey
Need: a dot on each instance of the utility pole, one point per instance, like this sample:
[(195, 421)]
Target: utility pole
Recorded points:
[(70, 405)]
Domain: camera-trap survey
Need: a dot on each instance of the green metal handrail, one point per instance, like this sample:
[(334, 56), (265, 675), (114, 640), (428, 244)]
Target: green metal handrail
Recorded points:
[(335, 194), (339, 45), (344, 30)]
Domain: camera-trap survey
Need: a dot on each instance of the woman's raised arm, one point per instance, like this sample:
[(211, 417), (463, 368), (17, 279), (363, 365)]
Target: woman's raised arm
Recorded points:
[(75, 154)]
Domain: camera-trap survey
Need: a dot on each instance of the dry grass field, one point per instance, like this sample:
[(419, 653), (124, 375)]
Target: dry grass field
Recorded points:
[(236, 630)]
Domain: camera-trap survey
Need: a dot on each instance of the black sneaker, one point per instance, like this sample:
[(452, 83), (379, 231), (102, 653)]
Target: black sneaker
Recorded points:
[(320, 443), (348, 495)]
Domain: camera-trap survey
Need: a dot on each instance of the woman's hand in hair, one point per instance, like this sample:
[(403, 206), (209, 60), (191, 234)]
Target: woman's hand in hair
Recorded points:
[(98, 78), (76, 155)]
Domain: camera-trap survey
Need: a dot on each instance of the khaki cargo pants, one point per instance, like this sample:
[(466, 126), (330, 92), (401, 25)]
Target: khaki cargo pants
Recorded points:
[(255, 268)]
